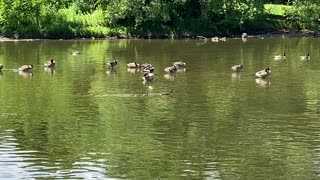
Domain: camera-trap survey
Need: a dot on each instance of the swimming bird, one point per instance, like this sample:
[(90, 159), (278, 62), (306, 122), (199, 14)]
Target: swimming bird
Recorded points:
[(75, 53), (112, 63), (237, 68), (133, 65), (307, 57), (179, 64), (148, 69), (280, 57), (50, 63), (171, 69), (167, 93), (1, 67), (25, 68), (148, 77), (263, 73)]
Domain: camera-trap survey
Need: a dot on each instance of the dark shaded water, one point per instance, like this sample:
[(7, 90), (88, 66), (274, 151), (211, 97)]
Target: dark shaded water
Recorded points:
[(81, 120)]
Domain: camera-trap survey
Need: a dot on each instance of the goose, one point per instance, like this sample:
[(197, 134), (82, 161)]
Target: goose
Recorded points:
[(148, 70), (1, 67), (171, 69), (25, 67), (167, 93), (179, 64), (112, 63), (50, 63), (75, 53), (307, 57), (280, 57), (237, 68), (148, 77), (145, 65), (263, 73), (133, 65)]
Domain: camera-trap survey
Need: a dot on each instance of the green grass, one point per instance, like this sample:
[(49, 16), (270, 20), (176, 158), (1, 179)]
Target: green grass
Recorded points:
[(276, 9)]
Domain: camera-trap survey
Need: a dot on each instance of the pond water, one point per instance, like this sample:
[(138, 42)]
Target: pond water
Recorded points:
[(81, 120)]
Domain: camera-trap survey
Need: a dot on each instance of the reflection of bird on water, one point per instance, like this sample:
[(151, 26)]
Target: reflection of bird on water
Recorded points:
[(139, 95), (133, 70), (169, 76), (25, 73), (263, 82), (263, 73), (49, 70)]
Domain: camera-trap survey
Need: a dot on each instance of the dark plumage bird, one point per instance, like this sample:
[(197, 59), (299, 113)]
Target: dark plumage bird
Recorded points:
[(1, 67), (25, 68), (133, 65), (112, 63), (171, 69), (50, 63), (237, 68)]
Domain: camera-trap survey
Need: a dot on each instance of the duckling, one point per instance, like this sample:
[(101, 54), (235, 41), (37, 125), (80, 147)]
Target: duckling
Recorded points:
[(307, 57), (171, 69), (263, 73), (1, 67), (25, 67), (280, 57), (179, 64), (133, 65), (112, 63), (148, 70), (148, 77), (75, 53), (237, 68), (50, 63), (145, 65), (167, 93)]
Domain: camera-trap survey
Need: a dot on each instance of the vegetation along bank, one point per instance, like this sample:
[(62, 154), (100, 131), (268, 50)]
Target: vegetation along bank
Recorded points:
[(153, 18)]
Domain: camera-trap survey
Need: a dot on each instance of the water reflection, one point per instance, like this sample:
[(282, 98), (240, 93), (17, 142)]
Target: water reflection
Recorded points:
[(262, 82), (49, 70), (133, 70), (25, 74), (169, 76)]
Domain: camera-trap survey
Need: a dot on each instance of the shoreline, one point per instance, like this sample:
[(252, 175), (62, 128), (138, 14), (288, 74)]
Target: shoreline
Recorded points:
[(283, 34)]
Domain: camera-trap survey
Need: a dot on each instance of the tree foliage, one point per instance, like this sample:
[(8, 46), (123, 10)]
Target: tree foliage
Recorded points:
[(71, 18)]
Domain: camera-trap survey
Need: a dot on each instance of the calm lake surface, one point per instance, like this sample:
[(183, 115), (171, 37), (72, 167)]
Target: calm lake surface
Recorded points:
[(80, 121)]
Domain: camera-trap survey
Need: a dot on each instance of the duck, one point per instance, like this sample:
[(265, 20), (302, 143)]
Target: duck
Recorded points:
[(171, 69), (145, 65), (237, 68), (263, 73), (133, 65), (112, 63), (167, 93), (280, 57), (25, 67), (307, 57), (148, 77), (50, 63), (1, 67), (179, 64), (148, 69), (75, 53)]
